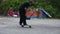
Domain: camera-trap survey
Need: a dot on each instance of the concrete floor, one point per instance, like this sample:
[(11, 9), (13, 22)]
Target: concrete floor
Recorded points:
[(39, 26)]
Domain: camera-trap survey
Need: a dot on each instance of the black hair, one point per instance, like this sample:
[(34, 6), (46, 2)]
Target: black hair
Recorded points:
[(30, 1)]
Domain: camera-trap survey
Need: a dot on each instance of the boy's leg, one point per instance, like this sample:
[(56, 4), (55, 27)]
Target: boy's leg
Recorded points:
[(24, 21), (20, 21)]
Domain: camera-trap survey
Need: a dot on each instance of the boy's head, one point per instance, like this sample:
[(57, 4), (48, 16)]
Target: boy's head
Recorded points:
[(30, 3)]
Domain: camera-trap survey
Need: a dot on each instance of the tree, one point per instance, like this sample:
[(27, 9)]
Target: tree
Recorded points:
[(56, 5)]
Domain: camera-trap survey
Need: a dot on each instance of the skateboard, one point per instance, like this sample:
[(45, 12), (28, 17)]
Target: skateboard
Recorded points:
[(26, 26)]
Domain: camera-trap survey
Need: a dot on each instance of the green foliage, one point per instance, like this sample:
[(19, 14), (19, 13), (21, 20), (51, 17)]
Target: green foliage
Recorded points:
[(9, 3), (51, 10), (56, 8)]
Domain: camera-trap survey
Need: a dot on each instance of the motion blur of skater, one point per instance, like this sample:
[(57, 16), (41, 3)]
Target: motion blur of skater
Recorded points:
[(22, 12)]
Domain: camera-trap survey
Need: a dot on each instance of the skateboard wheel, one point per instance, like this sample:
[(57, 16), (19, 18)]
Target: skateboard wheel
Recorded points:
[(29, 26), (22, 26)]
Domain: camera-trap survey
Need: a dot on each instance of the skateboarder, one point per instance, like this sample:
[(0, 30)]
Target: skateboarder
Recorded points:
[(22, 12)]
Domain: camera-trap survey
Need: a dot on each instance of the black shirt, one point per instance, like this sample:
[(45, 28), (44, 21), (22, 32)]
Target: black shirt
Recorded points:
[(22, 9), (24, 6)]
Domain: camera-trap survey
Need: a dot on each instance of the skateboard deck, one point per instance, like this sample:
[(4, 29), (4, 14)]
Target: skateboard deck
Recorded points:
[(26, 26)]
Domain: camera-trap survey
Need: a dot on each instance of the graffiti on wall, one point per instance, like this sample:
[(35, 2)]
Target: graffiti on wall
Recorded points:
[(29, 13)]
